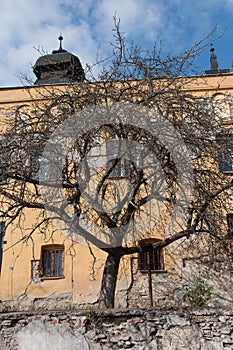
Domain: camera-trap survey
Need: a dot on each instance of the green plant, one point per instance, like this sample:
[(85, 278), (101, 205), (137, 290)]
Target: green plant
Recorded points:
[(70, 307), (94, 319), (199, 295)]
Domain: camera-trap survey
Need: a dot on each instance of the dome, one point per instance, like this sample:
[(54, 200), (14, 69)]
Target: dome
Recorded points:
[(59, 67)]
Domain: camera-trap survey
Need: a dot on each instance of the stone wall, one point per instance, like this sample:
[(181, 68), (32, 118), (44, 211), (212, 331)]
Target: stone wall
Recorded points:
[(169, 291), (207, 329)]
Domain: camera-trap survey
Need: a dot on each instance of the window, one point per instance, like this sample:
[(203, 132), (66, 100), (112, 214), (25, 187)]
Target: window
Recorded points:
[(221, 106), (48, 165), (230, 231), (230, 101), (2, 234), (123, 158), (122, 168), (52, 261), (226, 153), (3, 169), (35, 165), (230, 224), (150, 255)]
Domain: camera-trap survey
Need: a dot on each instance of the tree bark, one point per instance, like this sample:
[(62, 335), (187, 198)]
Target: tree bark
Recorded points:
[(109, 279)]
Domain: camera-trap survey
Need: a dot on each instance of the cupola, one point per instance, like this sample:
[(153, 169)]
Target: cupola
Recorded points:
[(59, 67)]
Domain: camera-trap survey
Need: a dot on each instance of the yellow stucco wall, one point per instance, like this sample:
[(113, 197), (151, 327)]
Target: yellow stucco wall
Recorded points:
[(78, 278)]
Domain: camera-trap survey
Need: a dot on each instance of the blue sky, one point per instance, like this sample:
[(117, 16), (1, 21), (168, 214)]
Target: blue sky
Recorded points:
[(86, 25)]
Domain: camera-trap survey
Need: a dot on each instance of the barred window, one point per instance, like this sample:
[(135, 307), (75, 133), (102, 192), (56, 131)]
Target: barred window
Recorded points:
[(150, 257), (52, 261)]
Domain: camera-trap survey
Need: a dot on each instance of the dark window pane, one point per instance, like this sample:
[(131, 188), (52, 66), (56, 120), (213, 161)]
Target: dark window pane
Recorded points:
[(123, 168), (226, 153), (230, 223), (150, 257), (121, 160), (47, 261), (58, 263), (3, 169), (52, 260), (2, 234), (35, 165), (225, 163)]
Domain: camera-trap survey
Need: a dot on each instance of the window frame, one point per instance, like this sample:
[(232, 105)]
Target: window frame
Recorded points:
[(156, 256), (230, 224), (2, 235), (123, 168), (225, 153), (127, 159), (52, 266), (35, 165), (36, 158), (230, 231), (3, 169)]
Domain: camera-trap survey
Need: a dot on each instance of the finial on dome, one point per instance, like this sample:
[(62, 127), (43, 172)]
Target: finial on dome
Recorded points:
[(60, 38)]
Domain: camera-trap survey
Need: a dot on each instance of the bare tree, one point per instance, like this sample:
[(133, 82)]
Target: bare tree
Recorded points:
[(112, 148)]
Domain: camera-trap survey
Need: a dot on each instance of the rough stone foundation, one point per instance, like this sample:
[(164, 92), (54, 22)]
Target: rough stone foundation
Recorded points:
[(209, 329)]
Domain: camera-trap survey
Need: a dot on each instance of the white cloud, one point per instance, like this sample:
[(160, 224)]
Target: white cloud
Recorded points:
[(87, 27), (26, 25)]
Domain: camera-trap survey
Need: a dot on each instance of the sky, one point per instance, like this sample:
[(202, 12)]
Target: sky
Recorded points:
[(31, 27)]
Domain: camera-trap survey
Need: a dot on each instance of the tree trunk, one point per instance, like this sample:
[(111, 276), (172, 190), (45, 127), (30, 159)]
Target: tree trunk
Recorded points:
[(109, 279)]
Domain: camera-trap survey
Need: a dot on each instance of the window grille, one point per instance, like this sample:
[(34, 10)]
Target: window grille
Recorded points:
[(150, 257)]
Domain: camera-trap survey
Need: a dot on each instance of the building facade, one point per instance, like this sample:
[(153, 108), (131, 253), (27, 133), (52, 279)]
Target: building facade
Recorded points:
[(46, 268)]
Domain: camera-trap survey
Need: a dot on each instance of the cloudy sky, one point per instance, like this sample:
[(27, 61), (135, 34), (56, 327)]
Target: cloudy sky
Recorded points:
[(27, 26)]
